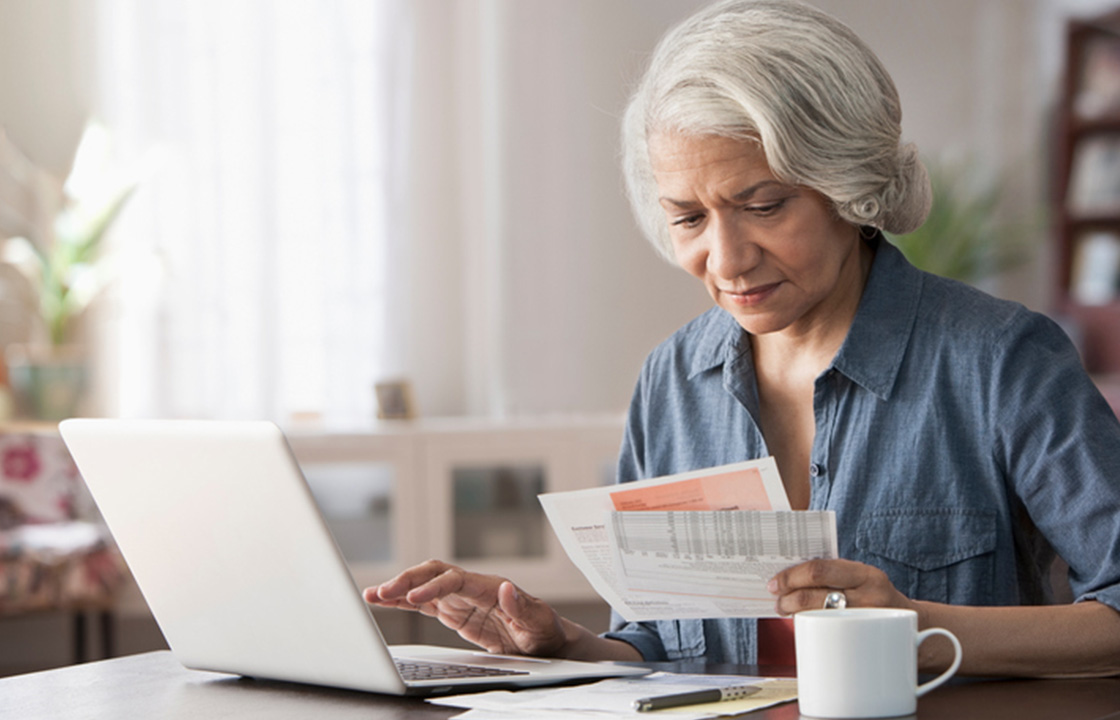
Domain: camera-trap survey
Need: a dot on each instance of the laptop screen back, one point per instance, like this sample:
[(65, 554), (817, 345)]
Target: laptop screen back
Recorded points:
[(220, 531)]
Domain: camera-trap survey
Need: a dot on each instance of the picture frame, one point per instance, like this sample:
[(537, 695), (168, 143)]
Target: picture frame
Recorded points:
[(394, 400)]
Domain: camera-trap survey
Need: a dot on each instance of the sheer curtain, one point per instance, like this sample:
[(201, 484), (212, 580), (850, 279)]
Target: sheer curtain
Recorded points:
[(256, 260)]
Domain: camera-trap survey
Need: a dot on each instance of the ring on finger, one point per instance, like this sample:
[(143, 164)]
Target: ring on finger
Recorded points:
[(835, 600)]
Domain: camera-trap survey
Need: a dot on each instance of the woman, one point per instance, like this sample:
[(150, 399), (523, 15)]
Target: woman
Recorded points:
[(955, 435)]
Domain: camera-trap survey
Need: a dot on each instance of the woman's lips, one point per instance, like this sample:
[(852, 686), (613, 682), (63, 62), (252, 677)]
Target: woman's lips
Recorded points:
[(753, 296)]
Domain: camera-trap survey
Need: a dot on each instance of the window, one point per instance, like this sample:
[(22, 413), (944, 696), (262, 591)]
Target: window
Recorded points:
[(257, 257)]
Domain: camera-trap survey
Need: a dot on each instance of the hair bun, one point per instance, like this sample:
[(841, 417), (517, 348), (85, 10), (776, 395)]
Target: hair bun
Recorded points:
[(866, 209), (908, 196)]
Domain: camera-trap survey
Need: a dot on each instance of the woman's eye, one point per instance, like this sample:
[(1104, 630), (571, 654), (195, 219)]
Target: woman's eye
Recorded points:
[(688, 221), (768, 208)]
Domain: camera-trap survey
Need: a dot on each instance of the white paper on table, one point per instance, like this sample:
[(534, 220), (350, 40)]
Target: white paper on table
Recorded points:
[(616, 696), (650, 585)]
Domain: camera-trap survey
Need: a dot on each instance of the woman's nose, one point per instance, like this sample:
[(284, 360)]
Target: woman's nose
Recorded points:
[(730, 253)]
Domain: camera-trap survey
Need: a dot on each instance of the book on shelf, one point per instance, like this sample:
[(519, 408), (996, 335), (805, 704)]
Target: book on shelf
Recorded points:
[(1096, 268), (1098, 90), (1094, 186)]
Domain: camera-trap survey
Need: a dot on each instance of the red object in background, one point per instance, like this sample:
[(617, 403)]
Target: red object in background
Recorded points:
[(21, 462), (775, 642)]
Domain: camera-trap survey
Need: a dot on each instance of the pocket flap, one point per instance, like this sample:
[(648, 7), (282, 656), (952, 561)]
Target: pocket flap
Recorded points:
[(928, 538)]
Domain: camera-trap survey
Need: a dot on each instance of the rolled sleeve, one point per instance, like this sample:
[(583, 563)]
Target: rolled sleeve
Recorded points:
[(643, 636), (1062, 456)]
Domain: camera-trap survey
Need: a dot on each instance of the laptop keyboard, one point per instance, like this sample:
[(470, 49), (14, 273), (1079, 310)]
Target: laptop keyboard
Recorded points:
[(414, 670)]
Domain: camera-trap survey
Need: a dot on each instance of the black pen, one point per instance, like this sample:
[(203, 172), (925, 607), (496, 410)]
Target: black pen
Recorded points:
[(695, 697)]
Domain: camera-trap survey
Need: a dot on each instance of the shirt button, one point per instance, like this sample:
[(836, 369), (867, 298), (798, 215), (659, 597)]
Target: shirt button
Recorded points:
[(815, 470)]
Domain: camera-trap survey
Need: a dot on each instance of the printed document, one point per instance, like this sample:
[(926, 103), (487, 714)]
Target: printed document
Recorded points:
[(696, 545), (615, 698)]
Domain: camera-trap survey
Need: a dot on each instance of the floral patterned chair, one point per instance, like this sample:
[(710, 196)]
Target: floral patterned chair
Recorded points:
[(55, 553)]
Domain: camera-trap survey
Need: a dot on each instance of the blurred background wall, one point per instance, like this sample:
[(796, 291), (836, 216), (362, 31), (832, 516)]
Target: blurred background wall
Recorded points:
[(527, 288), (521, 286)]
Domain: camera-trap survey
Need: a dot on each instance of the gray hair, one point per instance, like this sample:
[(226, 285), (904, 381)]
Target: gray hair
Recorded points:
[(798, 81)]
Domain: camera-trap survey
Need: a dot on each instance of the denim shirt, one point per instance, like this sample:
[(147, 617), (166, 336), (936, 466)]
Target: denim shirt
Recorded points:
[(958, 439)]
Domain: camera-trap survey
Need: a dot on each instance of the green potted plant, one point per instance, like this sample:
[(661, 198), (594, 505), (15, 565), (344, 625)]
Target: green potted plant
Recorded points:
[(59, 257), (967, 236)]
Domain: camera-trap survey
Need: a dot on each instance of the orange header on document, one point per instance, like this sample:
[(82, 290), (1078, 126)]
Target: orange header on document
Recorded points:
[(737, 490)]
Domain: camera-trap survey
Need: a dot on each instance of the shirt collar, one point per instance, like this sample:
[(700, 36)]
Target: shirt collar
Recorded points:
[(876, 343), (721, 339), (872, 353)]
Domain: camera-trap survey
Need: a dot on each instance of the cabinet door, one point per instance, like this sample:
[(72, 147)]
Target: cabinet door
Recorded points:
[(366, 489), (482, 489)]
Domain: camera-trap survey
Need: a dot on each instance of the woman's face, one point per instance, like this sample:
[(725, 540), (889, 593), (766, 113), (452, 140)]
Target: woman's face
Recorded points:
[(775, 256)]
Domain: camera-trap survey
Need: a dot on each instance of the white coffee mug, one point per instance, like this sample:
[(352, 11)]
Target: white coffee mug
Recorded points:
[(862, 662)]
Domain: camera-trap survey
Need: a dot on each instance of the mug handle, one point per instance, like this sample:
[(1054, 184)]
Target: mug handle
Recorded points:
[(940, 679)]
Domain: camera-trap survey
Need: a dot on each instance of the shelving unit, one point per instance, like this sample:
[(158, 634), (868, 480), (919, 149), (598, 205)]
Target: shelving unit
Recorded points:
[(1087, 189), (460, 490)]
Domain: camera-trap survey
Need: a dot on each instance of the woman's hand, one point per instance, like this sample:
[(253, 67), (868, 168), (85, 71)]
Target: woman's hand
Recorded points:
[(804, 586), (484, 609)]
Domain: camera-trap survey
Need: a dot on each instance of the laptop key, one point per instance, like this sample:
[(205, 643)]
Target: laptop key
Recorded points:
[(412, 670)]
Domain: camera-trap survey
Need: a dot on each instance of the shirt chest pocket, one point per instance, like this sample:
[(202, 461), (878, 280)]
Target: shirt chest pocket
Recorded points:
[(939, 554), (682, 639)]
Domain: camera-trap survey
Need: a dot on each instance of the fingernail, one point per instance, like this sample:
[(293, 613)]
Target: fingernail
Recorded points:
[(772, 586)]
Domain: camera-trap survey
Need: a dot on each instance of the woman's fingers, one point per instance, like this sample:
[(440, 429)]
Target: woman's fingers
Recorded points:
[(805, 586), (525, 612), (398, 587), (431, 581), (537, 626), (837, 574), (484, 609), (419, 587), (810, 599)]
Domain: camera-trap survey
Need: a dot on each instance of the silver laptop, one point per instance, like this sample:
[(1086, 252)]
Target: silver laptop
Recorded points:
[(222, 535)]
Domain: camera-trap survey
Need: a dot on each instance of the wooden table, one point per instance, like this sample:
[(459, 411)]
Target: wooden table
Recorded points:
[(155, 685)]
